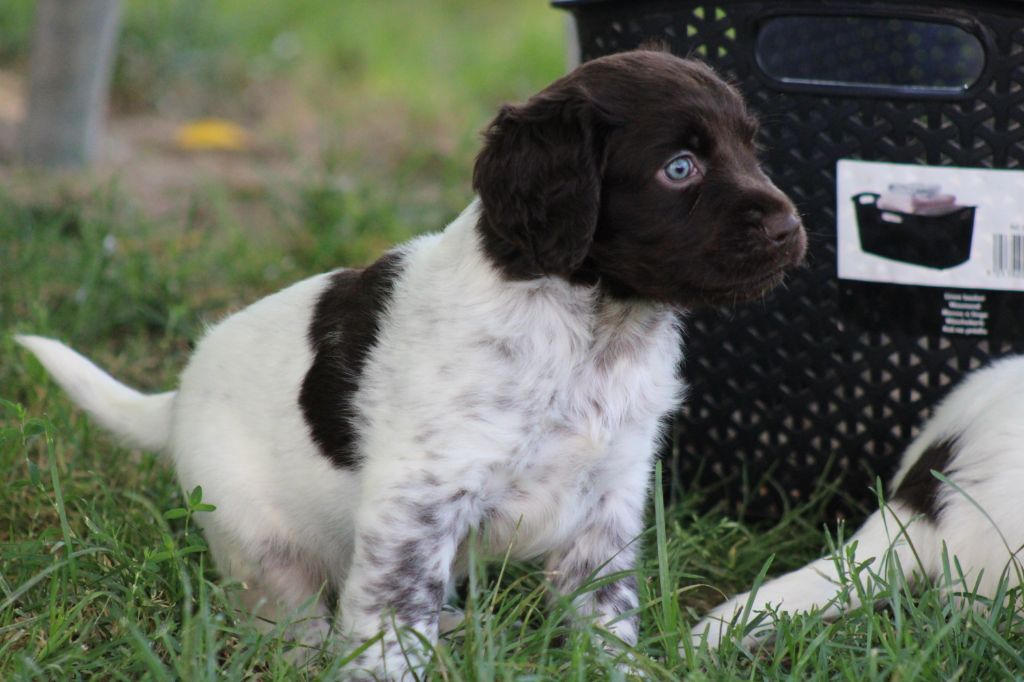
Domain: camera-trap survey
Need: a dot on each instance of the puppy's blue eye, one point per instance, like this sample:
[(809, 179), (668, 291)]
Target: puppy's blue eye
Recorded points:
[(681, 167)]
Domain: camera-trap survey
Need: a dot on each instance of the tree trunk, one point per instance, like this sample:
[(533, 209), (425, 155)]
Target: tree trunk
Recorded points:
[(69, 79)]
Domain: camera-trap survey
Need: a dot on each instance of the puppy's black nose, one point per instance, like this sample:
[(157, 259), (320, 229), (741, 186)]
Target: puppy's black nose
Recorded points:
[(779, 227)]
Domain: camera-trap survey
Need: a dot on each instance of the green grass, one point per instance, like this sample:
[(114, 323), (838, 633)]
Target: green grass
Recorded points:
[(101, 574)]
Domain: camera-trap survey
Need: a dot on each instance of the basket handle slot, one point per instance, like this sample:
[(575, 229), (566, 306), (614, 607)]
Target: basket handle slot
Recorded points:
[(880, 55)]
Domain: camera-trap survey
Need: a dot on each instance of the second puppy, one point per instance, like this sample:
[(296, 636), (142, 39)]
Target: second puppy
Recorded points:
[(976, 441)]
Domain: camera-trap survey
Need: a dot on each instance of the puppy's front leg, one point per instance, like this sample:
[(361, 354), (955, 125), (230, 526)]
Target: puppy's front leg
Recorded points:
[(407, 535), (606, 545), (892, 539)]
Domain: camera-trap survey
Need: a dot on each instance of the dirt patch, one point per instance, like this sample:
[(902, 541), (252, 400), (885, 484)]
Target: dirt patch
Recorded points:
[(288, 140)]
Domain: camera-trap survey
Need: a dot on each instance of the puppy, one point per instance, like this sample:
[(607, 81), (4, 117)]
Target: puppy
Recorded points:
[(976, 441), (508, 377)]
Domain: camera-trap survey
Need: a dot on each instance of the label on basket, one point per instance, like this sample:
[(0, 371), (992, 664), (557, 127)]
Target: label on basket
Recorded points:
[(932, 226)]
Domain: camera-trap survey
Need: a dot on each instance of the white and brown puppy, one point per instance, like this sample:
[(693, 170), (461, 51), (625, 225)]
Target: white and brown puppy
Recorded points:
[(976, 441), (508, 376)]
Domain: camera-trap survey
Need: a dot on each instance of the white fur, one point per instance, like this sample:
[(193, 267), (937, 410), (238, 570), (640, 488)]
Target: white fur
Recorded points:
[(140, 420), (546, 449), (979, 525)]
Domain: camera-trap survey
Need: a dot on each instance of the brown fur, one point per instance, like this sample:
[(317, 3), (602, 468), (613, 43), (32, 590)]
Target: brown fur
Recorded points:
[(569, 186)]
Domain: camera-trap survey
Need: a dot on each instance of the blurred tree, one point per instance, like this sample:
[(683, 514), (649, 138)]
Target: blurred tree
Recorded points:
[(69, 78)]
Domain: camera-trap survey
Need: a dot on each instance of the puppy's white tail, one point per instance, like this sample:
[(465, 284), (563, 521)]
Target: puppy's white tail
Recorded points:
[(142, 421)]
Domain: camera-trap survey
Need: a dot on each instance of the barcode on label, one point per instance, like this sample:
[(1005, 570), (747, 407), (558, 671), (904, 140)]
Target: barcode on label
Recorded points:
[(1008, 255)]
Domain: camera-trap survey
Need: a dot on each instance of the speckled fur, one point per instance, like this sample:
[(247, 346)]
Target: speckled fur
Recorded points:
[(544, 437), (531, 410)]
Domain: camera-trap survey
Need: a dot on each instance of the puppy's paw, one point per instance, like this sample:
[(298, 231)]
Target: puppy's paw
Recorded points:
[(726, 622), (630, 668), (450, 619), (309, 637), (711, 629)]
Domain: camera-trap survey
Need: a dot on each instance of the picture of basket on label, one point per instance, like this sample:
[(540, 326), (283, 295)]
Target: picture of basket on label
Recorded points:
[(915, 223)]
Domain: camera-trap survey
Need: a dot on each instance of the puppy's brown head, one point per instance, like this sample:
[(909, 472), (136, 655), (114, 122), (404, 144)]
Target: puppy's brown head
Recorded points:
[(638, 171)]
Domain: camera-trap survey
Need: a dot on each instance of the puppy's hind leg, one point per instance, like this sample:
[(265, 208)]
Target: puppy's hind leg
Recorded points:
[(891, 542), (263, 545), (279, 587)]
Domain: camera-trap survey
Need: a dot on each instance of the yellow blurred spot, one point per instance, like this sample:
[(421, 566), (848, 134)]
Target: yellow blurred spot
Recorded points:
[(212, 134)]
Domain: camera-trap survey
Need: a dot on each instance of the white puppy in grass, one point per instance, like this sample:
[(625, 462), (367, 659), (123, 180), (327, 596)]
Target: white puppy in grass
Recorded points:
[(953, 515)]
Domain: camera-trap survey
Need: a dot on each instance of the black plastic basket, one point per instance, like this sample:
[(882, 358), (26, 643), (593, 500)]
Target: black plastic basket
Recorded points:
[(932, 241), (829, 379)]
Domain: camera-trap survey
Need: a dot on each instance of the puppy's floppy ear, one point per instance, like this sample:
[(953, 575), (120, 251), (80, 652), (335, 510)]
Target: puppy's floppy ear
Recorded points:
[(539, 180)]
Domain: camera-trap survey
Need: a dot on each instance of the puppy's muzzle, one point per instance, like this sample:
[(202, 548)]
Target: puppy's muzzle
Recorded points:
[(782, 228)]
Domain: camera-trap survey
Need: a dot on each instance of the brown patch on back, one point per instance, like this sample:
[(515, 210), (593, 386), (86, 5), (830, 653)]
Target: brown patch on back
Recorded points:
[(919, 489)]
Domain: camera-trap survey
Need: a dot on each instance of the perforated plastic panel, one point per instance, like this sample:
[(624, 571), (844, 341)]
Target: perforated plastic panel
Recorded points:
[(828, 372)]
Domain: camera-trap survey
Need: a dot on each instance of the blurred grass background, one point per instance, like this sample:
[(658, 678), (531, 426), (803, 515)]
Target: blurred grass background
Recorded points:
[(456, 56), (362, 117)]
